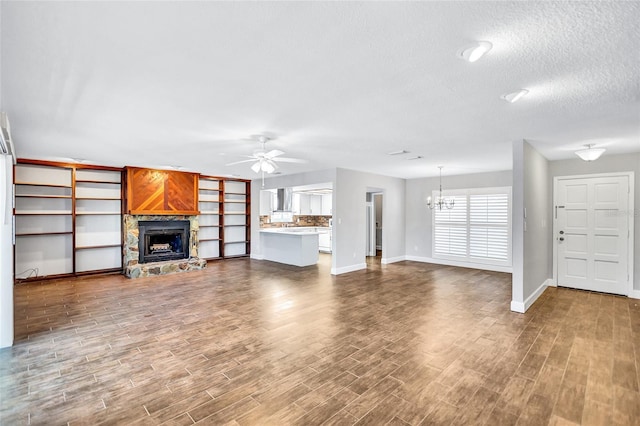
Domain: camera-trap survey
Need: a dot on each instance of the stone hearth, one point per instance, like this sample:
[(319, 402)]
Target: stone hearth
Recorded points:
[(132, 266)]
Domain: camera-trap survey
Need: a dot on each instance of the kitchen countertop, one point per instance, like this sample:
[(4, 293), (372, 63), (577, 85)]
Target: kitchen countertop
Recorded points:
[(292, 230)]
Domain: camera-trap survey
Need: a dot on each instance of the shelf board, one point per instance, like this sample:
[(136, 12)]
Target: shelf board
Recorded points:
[(98, 181), (98, 247), (208, 239), (99, 198), (235, 201), (237, 213), (210, 226), (42, 196), (208, 212), (208, 201), (97, 213), (39, 234), (209, 189), (50, 185), (244, 224), (235, 193), (237, 242), (43, 213)]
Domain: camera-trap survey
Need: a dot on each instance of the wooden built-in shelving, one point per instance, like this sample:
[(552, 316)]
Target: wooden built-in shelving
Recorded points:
[(60, 212)]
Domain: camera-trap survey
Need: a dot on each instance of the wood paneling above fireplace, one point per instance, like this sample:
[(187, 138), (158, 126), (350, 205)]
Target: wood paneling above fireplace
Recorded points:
[(161, 192)]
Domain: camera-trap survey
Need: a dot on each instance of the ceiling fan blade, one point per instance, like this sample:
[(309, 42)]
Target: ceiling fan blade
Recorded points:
[(240, 162), (289, 160), (273, 153), (256, 166)]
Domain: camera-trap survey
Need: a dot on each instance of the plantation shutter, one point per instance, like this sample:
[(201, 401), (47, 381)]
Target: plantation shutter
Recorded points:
[(451, 228), (489, 226), (477, 229)]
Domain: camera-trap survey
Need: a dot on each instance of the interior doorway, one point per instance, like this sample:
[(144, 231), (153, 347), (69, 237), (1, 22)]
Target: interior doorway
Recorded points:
[(593, 232), (374, 224)]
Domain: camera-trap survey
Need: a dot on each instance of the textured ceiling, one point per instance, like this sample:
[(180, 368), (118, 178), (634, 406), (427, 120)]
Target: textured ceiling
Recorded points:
[(339, 84)]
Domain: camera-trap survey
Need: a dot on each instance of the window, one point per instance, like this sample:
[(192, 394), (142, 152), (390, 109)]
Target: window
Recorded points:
[(477, 229)]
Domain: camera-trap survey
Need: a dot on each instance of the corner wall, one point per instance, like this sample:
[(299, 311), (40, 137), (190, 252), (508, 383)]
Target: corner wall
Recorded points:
[(531, 218)]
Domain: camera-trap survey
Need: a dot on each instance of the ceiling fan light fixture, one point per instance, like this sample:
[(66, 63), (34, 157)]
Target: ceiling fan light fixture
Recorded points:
[(590, 153), (514, 96), (268, 166), (256, 166), (475, 51)]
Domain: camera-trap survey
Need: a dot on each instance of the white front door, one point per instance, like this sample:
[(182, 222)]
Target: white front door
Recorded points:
[(592, 233)]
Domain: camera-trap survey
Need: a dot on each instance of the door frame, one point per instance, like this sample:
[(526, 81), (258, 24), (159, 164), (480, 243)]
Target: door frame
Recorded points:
[(630, 217), (371, 231)]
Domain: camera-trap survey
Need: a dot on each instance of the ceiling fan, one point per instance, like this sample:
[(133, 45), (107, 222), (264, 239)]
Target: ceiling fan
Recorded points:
[(266, 162)]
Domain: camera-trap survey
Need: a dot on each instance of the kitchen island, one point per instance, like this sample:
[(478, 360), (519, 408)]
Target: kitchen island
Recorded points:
[(298, 247)]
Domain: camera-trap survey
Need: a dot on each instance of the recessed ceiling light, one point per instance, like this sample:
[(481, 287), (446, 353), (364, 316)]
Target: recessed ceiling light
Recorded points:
[(402, 151), (474, 51), (514, 96)]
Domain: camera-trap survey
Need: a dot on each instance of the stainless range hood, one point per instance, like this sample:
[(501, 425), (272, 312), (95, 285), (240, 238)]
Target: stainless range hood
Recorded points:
[(283, 200)]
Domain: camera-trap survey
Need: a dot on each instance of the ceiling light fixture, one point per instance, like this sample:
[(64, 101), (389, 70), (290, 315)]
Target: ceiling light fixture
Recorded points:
[(440, 201), (475, 51), (514, 96), (590, 153)]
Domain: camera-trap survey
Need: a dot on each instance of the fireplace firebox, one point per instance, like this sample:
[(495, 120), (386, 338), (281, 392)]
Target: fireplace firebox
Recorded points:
[(160, 240)]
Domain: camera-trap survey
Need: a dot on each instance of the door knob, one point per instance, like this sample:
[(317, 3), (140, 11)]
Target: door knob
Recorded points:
[(561, 232)]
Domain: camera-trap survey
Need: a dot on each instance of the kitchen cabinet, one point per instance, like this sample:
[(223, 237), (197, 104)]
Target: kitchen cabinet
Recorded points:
[(266, 202), (327, 204), (305, 204), (315, 204), (324, 240)]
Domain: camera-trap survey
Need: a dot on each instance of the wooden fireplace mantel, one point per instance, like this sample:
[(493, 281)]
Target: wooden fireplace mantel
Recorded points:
[(161, 192)]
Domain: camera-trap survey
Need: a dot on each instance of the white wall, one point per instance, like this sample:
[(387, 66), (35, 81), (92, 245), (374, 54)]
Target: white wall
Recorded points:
[(6, 238), (349, 218), (6, 250), (608, 164), (419, 235)]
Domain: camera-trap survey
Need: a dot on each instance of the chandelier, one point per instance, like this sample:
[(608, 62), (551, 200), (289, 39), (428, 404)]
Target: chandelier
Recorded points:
[(440, 201)]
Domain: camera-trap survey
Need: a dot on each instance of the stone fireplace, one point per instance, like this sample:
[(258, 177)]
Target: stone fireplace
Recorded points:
[(160, 245)]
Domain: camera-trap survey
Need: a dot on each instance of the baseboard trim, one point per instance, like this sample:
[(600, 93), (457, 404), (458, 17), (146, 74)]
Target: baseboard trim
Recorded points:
[(522, 307), (482, 266), (257, 256), (387, 260), (634, 294), (517, 307), (350, 268)]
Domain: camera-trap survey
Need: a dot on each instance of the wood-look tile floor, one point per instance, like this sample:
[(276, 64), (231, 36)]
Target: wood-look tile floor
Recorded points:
[(253, 342)]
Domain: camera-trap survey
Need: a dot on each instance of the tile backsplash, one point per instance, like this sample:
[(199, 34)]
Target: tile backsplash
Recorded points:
[(322, 221)]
